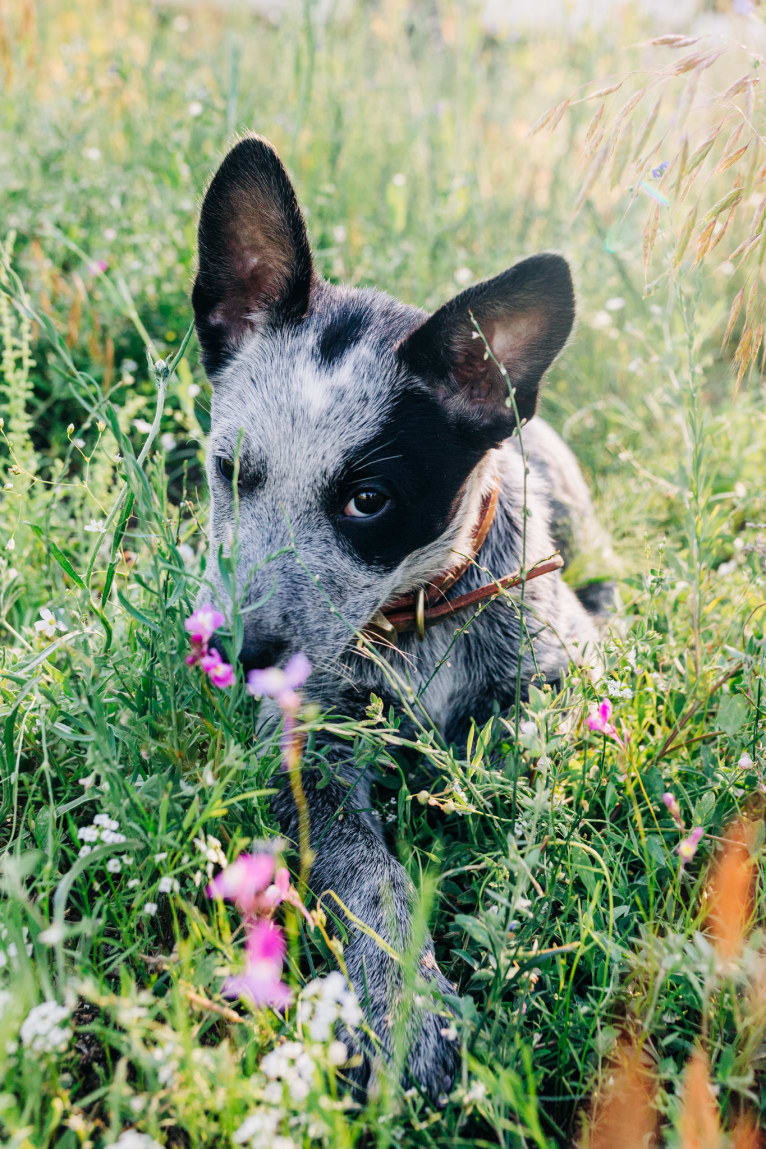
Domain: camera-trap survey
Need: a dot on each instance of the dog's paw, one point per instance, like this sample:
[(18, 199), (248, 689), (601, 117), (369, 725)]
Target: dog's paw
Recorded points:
[(434, 1055)]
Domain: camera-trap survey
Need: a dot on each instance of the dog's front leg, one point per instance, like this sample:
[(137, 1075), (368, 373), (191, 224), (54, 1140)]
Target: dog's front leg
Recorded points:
[(351, 859)]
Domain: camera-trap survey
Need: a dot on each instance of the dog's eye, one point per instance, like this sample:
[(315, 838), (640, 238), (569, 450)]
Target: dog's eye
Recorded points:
[(365, 504), (225, 468)]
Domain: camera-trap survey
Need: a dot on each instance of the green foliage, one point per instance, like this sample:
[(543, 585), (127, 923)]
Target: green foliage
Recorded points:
[(558, 904)]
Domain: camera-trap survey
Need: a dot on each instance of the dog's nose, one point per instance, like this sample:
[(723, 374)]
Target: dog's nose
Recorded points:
[(261, 651)]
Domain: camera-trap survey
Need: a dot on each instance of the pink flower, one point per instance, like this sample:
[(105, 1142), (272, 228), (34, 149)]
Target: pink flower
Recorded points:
[(688, 848), (265, 942), (673, 809), (250, 882), (261, 984), (203, 623), (599, 719), (98, 267), (281, 890), (281, 685), (219, 672), (243, 881)]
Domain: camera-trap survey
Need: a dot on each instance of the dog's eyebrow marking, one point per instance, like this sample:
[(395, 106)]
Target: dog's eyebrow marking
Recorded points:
[(340, 334)]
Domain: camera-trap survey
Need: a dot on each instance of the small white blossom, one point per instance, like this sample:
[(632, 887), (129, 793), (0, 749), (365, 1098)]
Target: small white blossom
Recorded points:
[(112, 837), (84, 851), (105, 821), (43, 1029), (195, 108), (150, 908), (260, 1128), (325, 1001), (114, 866), (95, 527), (132, 1139), (53, 935), (477, 1092), (48, 624), (88, 833), (168, 885)]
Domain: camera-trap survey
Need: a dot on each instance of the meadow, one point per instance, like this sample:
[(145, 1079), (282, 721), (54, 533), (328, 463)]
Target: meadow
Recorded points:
[(613, 989)]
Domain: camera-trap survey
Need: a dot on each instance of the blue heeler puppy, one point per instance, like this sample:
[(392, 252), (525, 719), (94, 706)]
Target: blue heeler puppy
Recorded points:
[(376, 446)]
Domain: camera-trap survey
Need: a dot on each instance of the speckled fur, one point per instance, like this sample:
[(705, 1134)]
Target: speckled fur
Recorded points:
[(298, 419)]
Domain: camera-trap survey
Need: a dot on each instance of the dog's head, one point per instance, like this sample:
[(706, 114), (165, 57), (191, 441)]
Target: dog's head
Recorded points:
[(348, 430)]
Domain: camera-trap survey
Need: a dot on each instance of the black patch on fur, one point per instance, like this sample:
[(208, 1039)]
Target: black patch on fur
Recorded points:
[(341, 333), (599, 596), (422, 457)]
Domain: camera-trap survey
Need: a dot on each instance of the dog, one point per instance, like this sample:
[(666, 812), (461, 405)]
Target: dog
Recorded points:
[(377, 483)]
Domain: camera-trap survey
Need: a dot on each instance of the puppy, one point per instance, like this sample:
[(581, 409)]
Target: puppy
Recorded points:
[(389, 488)]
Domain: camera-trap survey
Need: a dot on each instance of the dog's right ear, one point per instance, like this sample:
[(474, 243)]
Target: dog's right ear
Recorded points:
[(254, 255)]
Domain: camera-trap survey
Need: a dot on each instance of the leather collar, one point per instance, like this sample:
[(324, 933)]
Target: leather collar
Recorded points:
[(428, 605)]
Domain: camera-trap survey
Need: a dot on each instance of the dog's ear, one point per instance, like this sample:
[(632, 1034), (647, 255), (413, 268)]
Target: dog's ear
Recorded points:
[(525, 315), (254, 255)]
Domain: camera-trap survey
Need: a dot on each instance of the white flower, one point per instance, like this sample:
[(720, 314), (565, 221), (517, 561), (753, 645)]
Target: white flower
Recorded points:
[(150, 908), (195, 108), (259, 1128), (111, 837), (132, 1139), (48, 624), (106, 821), (88, 833), (168, 885), (616, 689), (114, 865), (463, 276), (616, 303), (84, 851), (53, 935), (745, 762), (325, 1001), (95, 527), (337, 1054), (601, 320), (133, 884), (142, 426), (92, 154), (477, 1092), (43, 1029)]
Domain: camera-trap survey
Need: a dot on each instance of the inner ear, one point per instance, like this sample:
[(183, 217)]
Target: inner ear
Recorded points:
[(254, 255), (503, 333)]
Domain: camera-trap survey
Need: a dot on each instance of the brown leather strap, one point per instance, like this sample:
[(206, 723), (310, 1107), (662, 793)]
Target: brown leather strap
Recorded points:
[(404, 620), (426, 606), (437, 587)]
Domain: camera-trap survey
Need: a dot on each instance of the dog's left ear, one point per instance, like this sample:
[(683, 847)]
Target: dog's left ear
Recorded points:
[(254, 256), (525, 314)]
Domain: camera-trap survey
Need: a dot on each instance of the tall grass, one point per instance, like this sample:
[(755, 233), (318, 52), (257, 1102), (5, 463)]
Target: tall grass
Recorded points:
[(546, 857)]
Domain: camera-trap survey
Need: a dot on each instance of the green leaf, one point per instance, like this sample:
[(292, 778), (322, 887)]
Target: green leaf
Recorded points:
[(138, 615), (59, 556)]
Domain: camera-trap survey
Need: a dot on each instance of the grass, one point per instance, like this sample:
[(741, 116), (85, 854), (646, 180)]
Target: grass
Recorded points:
[(546, 856)]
